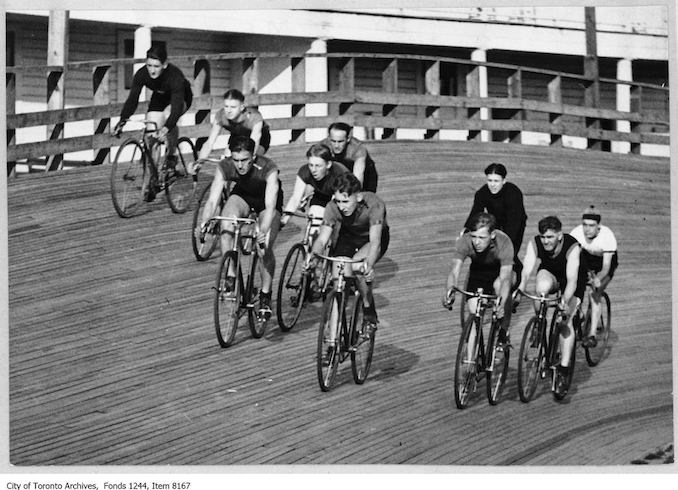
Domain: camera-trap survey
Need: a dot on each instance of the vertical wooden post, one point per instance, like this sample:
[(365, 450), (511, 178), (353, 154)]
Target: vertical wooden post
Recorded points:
[(555, 118), (389, 82), (57, 55), (298, 72), (250, 76), (201, 87), (10, 108), (432, 87), (515, 91), (636, 107), (592, 90), (473, 90), (346, 82), (102, 96)]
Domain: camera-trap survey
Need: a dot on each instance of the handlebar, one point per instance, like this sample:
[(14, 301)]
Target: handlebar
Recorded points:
[(542, 298), (342, 260), (476, 294)]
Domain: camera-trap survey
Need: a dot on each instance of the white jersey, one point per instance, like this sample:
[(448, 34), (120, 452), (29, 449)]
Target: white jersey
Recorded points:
[(605, 241)]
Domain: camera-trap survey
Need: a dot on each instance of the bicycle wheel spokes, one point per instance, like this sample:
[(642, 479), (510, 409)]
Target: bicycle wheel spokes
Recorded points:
[(127, 179), (203, 249), (530, 360), (362, 345), (291, 288), (227, 299), (466, 367), (498, 361), (595, 354), (257, 320), (328, 342), (179, 185)]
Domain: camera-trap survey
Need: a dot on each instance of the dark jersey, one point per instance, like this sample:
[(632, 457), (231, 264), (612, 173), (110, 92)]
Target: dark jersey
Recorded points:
[(370, 211), (322, 189), (170, 88), (252, 186), (354, 150), (497, 254), (243, 127), (557, 264), (507, 207)]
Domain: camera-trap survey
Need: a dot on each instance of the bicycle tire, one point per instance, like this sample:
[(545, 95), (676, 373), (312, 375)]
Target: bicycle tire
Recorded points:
[(466, 369), (291, 288), (328, 352), (530, 359), (498, 362), (180, 186), (227, 306), (256, 322), (595, 354), (203, 250), (362, 344), (128, 174)]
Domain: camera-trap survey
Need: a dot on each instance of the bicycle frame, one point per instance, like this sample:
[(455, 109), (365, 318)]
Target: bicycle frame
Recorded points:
[(481, 307), (548, 332)]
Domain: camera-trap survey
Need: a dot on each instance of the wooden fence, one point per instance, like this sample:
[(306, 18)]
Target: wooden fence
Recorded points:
[(509, 115)]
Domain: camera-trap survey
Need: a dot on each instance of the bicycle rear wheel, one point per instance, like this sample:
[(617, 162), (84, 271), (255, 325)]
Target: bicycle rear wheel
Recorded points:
[(328, 341), (128, 173), (256, 322), (179, 184), (466, 366), (595, 354), (291, 288), (203, 249), (227, 309), (362, 344), (497, 363), (530, 359)]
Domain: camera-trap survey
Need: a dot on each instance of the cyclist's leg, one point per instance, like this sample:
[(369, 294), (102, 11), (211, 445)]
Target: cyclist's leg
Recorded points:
[(235, 207), (596, 307), (547, 283), (365, 286), (268, 257)]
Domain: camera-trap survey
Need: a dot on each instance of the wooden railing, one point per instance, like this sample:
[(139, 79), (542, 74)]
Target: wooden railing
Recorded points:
[(511, 114)]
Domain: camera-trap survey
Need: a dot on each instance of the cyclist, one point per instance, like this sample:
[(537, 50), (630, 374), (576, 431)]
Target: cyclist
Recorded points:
[(257, 188), (353, 154), (172, 96), (238, 119), (491, 254), (359, 220), (503, 200), (599, 255), (559, 270)]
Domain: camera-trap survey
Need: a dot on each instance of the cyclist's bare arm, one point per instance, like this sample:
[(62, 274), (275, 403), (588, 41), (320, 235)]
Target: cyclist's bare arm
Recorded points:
[(270, 199), (255, 136), (572, 274), (529, 263), (359, 168), (211, 139), (505, 276), (216, 188), (295, 199), (324, 235), (452, 277), (374, 249)]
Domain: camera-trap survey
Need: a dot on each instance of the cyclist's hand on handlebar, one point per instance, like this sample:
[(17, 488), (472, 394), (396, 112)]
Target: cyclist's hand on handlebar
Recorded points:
[(499, 309), (161, 134), (368, 273), (448, 299), (118, 127)]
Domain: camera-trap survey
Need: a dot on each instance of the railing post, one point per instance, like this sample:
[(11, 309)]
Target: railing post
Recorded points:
[(298, 67), (389, 82), (57, 54), (250, 76), (636, 107), (102, 96), (432, 87), (515, 91), (556, 118), (346, 82), (473, 90), (10, 101), (591, 72), (201, 86)]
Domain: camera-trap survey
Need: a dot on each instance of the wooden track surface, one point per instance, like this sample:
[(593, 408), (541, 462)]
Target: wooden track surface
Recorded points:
[(114, 360)]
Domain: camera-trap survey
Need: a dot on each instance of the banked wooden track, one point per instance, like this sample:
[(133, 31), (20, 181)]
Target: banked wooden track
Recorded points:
[(113, 357)]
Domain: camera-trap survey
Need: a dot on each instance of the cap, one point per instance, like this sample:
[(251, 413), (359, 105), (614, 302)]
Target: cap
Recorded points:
[(591, 213)]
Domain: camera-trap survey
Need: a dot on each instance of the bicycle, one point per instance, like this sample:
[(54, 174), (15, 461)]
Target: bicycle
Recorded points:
[(340, 336), (134, 168), (540, 349), (582, 324), (296, 283), (231, 302), (205, 243), (473, 359)]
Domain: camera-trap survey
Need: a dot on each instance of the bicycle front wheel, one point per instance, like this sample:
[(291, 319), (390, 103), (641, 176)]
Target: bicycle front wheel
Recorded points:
[(179, 184), (127, 179), (328, 341), (257, 321), (291, 288), (227, 299), (203, 247), (466, 366), (530, 359), (595, 354), (497, 364), (362, 345)]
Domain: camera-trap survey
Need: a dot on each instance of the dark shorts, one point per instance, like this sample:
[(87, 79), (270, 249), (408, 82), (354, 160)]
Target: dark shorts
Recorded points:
[(580, 289), (347, 246), (159, 102), (595, 264), (371, 178)]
